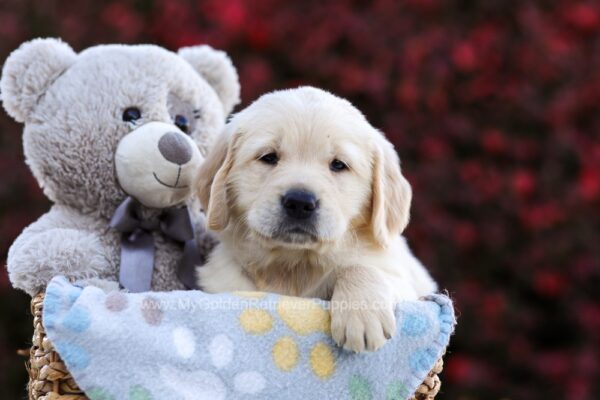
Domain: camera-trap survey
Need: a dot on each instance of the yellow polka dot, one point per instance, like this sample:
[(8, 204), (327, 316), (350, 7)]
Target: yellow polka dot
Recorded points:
[(303, 316), (250, 295), (285, 353), (322, 361), (256, 321)]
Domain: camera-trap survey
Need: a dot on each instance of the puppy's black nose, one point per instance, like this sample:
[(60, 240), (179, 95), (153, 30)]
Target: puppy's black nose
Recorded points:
[(175, 148), (299, 204)]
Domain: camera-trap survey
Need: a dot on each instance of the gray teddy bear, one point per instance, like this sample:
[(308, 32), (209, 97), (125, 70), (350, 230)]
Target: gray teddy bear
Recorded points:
[(114, 135)]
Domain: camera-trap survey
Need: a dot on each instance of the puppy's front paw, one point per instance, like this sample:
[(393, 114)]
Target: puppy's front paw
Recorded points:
[(362, 329)]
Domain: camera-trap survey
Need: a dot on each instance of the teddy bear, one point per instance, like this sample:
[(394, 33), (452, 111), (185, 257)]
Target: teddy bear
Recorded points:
[(114, 136)]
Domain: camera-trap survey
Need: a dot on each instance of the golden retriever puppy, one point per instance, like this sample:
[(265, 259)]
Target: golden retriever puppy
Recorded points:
[(309, 200)]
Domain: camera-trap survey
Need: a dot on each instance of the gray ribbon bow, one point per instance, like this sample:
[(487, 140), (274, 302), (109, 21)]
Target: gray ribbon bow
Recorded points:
[(137, 244)]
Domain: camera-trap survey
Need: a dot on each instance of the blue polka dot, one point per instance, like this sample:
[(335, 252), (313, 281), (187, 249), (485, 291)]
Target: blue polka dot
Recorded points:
[(77, 319), (422, 360), (75, 357), (74, 293), (415, 324), (52, 305), (50, 322)]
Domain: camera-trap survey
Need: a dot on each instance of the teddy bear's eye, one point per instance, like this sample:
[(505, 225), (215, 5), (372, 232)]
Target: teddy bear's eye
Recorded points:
[(182, 123), (131, 114)]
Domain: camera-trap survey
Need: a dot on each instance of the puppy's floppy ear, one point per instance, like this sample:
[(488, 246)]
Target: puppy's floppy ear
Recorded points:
[(216, 67), (211, 185), (391, 194), (29, 71)]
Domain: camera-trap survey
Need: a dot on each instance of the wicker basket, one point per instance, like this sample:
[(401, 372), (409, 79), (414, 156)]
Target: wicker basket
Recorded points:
[(49, 378)]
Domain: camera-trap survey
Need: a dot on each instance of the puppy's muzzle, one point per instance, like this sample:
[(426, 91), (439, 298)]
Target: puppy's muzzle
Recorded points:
[(299, 204)]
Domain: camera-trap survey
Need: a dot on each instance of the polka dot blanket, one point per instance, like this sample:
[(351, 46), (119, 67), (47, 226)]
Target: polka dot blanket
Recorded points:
[(246, 345)]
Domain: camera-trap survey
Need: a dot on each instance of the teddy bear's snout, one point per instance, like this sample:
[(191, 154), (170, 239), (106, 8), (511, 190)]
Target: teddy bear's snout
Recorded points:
[(175, 148), (156, 163)]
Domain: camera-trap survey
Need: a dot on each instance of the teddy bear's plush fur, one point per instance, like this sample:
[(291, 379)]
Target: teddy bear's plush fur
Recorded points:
[(74, 110)]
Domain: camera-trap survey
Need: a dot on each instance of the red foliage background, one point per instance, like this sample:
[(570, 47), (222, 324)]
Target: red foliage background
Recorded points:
[(494, 108)]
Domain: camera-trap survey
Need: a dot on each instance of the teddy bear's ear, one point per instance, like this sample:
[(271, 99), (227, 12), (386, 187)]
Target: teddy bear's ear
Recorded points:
[(29, 71), (216, 67)]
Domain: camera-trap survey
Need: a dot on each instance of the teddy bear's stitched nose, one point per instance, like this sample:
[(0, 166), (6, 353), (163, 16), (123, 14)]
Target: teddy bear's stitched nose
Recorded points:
[(175, 148)]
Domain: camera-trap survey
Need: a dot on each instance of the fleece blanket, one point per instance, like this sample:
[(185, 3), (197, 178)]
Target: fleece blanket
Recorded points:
[(247, 345)]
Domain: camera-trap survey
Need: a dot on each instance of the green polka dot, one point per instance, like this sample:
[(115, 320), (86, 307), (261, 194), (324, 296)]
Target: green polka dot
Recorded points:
[(97, 393), (138, 392), (360, 389), (397, 391)]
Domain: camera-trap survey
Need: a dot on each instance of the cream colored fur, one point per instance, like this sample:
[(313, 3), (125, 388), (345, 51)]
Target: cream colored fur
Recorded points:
[(356, 256)]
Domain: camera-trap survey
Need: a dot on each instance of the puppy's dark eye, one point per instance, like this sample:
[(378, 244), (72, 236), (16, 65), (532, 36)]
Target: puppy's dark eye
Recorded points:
[(337, 165), (270, 158), (182, 123), (131, 114)]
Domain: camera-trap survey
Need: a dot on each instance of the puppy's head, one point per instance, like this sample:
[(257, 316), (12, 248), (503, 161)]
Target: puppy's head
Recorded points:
[(303, 168)]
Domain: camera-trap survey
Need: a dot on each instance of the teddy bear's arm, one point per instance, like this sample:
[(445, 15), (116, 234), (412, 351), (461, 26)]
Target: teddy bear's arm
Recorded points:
[(36, 257)]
